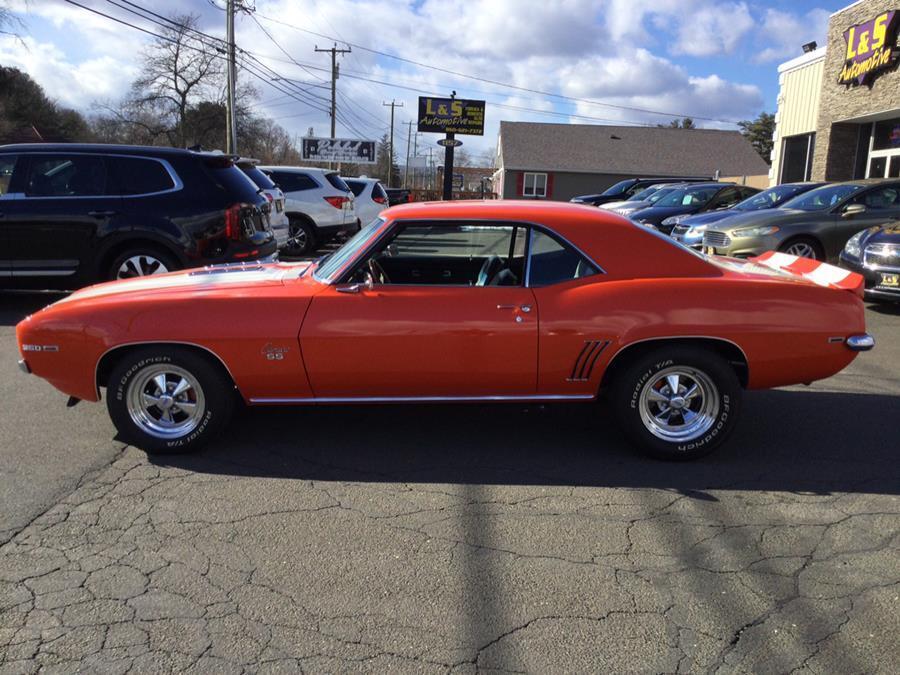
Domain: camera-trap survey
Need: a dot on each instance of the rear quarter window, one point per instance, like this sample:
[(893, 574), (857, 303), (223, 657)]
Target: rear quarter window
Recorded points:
[(356, 187), (258, 177), (139, 176), (337, 182), (294, 182), (234, 181)]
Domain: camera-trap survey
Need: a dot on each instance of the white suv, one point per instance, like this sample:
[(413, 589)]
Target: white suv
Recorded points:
[(371, 199), (318, 203)]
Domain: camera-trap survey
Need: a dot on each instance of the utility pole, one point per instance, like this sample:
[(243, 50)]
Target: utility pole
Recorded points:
[(335, 73), (231, 123), (406, 172), (448, 163), (390, 176)]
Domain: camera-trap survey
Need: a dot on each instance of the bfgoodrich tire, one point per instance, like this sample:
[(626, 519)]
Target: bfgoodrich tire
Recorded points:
[(677, 403), (168, 399)]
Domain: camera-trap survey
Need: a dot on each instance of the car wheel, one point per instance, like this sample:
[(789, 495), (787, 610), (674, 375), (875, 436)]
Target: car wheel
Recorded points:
[(677, 403), (803, 247), (140, 262), (168, 399), (301, 238)]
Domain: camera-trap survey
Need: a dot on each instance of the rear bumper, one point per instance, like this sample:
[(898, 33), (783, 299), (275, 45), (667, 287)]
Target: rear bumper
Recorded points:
[(860, 343), (24, 367)]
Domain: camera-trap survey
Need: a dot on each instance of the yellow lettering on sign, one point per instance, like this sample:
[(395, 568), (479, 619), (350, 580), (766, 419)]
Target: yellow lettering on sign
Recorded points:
[(442, 110), (863, 43), (457, 108), (428, 109), (851, 42), (880, 31)]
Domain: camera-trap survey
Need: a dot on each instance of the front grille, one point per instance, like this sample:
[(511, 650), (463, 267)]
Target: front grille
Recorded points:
[(882, 256), (716, 239)]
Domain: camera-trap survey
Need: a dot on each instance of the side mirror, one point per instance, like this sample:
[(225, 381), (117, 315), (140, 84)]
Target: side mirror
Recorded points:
[(853, 210)]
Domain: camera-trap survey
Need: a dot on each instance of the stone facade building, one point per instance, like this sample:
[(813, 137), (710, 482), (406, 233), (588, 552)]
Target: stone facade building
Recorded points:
[(852, 90)]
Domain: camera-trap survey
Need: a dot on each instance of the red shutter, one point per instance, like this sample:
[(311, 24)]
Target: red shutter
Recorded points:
[(549, 185), (520, 184)]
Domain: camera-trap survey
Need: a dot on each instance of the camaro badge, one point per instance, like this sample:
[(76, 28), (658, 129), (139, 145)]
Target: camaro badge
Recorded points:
[(40, 348), (273, 353)]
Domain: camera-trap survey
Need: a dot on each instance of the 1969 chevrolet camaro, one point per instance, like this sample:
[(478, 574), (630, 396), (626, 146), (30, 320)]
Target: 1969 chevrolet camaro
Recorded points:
[(458, 301)]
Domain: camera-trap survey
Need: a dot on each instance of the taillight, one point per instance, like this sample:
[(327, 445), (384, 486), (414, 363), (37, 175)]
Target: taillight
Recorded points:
[(337, 202), (379, 200), (233, 222), (410, 197)]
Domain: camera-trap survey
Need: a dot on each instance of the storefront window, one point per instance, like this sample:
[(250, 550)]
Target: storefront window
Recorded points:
[(796, 162), (887, 135)]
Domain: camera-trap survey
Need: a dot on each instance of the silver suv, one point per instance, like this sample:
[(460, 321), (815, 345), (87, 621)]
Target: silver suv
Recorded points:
[(318, 204)]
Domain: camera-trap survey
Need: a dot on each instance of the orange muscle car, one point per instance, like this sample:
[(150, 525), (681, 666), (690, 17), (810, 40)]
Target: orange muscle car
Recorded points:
[(457, 301)]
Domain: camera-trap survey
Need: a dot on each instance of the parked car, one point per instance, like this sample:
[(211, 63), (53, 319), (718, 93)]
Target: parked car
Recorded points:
[(631, 186), (277, 217), (816, 224), (875, 254), (318, 204), (75, 214), (370, 198), (437, 302), (398, 195), (689, 229), (642, 200), (690, 199)]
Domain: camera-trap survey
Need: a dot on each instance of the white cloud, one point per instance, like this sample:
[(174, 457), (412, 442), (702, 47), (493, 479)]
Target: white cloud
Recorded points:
[(785, 33), (713, 29)]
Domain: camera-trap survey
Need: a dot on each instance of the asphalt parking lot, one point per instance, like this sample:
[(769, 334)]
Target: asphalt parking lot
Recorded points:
[(454, 538)]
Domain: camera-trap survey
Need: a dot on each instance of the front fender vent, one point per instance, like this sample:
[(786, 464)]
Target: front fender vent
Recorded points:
[(584, 364)]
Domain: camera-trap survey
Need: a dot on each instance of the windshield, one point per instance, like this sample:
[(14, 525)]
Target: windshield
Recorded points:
[(644, 195), (336, 261), (769, 199), (618, 188), (691, 196), (659, 194), (822, 198)]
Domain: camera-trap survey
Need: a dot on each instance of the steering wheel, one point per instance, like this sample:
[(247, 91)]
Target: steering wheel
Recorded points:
[(488, 270), (376, 272)]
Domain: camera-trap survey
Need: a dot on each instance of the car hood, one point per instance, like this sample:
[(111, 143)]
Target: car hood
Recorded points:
[(201, 281), (769, 217), (889, 233), (711, 217), (631, 207)]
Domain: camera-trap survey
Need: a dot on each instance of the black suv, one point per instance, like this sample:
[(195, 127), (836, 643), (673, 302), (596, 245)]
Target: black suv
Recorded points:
[(72, 214), (631, 186)]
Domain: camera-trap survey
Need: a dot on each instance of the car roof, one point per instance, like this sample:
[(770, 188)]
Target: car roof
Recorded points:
[(306, 169), (361, 180), (494, 209), (104, 148)]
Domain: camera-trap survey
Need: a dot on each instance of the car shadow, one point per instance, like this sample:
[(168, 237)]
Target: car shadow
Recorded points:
[(16, 305), (886, 308), (787, 440)]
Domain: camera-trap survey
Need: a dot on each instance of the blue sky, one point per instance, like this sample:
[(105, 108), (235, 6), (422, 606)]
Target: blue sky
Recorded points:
[(617, 61)]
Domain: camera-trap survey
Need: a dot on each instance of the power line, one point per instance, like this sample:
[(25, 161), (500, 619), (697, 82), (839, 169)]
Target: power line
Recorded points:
[(495, 82)]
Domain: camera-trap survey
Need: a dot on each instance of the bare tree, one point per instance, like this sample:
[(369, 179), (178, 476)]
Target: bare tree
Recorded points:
[(180, 70), (10, 23)]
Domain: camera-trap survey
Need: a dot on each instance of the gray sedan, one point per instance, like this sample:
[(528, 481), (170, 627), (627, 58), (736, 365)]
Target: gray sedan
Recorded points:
[(815, 224)]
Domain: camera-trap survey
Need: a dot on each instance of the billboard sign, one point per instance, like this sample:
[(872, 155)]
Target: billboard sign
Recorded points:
[(351, 151), (451, 116), (871, 48)]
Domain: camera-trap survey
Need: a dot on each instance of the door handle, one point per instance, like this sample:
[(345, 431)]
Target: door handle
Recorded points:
[(506, 306), (101, 214)]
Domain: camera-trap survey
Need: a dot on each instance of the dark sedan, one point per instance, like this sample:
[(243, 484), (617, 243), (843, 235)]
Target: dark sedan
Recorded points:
[(689, 229), (875, 253), (625, 189), (691, 199)]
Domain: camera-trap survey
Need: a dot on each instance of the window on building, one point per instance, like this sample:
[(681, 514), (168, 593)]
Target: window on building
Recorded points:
[(534, 185), (796, 158), (887, 135)]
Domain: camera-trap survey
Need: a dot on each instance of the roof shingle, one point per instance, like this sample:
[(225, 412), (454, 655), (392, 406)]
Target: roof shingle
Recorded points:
[(640, 151)]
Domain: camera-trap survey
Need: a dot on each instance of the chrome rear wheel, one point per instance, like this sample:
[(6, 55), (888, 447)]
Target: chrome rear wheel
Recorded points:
[(679, 404), (165, 401)]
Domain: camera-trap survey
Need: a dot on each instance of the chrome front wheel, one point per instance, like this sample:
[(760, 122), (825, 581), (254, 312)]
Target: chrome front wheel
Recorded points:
[(140, 266), (679, 404), (165, 401)]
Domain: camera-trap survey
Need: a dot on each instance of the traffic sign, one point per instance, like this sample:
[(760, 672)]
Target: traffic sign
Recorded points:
[(450, 142)]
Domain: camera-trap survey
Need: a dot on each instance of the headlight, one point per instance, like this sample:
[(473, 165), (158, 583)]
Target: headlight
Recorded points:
[(852, 248), (673, 220), (755, 231)]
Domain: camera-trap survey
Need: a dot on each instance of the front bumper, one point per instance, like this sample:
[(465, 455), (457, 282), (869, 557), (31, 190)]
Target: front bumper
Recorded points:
[(875, 290)]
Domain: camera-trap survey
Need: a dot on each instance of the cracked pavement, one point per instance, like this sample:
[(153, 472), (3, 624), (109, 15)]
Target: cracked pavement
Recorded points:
[(462, 539)]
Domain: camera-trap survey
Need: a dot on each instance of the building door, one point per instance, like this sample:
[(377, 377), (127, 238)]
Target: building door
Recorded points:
[(884, 155)]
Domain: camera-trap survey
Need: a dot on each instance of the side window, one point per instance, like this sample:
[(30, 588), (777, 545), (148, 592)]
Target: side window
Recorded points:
[(887, 197), (726, 199), (139, 176), (294, 182), (66, 176), (356, 186), (454, 254), (553, 262), (746, 192), (7, 165)]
